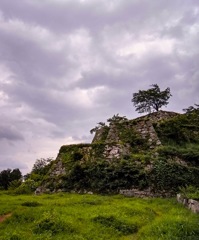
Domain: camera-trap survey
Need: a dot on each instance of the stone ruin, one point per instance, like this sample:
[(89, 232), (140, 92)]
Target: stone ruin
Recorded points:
[(143, 126), (112, 148), (191, 204)]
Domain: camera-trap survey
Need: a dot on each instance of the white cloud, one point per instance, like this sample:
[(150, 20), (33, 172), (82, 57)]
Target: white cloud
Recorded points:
[(164, 46)]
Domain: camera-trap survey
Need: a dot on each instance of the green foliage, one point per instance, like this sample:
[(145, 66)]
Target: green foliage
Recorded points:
[(151, 99), (41, 166), (99, 126), (181, 129), (31, 204), (27, 187), (8, 176), (15, 237), (14, 184), (51, 223), (116, 119), (68, 149), (103, 176), (190, 192), (192, 109), (188, 152), (171, 175), (171, 229)]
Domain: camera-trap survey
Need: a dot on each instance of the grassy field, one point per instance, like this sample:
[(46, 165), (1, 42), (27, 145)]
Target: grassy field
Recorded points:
[(94, 217)]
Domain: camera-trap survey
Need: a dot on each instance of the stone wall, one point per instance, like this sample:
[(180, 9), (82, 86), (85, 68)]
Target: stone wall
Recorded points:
[(146, 130), (143, 194), (116, 151), (191, 204), (107, 144), (58, 169), (142, 125), (158, 116)]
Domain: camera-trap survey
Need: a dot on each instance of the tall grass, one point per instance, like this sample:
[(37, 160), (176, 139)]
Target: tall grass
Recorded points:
[(86, 217)]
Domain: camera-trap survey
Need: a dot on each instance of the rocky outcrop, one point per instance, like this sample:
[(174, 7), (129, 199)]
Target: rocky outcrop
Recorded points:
[(191, 204)]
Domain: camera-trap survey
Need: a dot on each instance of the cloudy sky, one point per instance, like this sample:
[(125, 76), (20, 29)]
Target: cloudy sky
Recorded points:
[(66, 65)]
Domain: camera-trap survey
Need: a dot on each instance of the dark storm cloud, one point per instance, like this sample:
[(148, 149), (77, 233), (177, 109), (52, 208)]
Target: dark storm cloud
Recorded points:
[(29, 61), (10, 133), (66, 65), (67, 15)]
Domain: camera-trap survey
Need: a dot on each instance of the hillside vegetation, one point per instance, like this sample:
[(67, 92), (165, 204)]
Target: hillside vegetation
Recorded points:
[(159, 152)]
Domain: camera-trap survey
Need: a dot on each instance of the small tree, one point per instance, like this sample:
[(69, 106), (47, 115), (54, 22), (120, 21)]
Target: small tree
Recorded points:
[(7, 176), (151, 99), (192, 109), (116, 118), (41, 166), (99, 126)]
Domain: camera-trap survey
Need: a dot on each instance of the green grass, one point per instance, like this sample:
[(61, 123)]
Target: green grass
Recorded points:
[(94, 217)]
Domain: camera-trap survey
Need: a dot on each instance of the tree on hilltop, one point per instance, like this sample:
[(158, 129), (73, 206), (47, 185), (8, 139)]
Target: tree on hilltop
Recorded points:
[(151, 99)]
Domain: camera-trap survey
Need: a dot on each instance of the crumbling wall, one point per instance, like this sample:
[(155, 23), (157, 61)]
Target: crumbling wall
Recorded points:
[(191, 204), (142, 125)]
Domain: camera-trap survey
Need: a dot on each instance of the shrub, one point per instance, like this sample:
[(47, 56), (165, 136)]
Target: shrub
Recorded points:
[(190, 192), (180, 129), (27, 187), (171, 175), (15, 237)]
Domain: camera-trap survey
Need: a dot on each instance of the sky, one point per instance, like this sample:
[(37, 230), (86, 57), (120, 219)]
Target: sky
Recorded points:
[(66, 65)]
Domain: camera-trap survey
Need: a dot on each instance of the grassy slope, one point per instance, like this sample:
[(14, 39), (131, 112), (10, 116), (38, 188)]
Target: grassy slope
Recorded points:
[(86, 217)]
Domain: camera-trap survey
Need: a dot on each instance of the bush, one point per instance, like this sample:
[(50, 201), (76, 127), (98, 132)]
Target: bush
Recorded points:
[(105, 177), (15, 237), (190, 192), (171, 175), (181, 129), (27, 187)]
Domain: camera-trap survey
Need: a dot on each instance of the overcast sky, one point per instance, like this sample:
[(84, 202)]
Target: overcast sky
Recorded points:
[(66, 65)]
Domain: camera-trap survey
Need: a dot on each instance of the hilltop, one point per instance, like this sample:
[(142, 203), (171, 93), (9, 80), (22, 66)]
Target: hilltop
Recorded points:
[(156, 153)]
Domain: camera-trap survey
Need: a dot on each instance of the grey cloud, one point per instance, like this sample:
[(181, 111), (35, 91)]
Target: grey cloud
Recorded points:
[(11, 163), (74, 64), (10, 133), (94, 14), (29, 62)]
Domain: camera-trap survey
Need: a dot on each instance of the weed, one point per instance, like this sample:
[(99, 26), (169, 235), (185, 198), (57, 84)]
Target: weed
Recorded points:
[(73, 216), (51, 223), (31, 204), (15, 237), (120, 226)]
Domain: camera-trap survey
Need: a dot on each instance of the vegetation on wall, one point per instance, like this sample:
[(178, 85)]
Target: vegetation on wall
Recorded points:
[(181, 129)]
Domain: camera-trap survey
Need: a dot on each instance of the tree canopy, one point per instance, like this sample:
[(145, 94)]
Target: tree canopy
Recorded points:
[(7, 176), (151, 100)]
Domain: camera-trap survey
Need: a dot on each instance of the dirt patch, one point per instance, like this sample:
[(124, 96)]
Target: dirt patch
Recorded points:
[(4, 217)]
